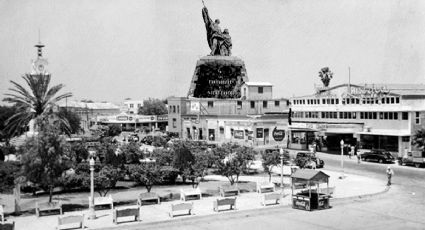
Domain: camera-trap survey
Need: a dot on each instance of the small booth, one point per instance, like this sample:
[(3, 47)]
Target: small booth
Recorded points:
[(308, 193)]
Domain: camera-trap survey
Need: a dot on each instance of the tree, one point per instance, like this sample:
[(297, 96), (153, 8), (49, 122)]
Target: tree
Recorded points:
[(419, 138), (9, 171), (183, 158), (45, 157), (132, 152), (147, 174), (80, 152), (114, 130), (230, 161), (271, 160), (105, 179), (37, 102), (5, 113), (73, 120), (153, 107), (325, 75)]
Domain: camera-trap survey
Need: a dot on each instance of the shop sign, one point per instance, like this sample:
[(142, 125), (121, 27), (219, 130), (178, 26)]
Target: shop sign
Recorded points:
[(122, 118), (162, 117), (278, 134), (260, 132), (238, 134)]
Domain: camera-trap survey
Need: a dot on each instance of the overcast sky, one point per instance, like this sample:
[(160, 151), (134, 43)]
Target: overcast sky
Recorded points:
[(112, 50)]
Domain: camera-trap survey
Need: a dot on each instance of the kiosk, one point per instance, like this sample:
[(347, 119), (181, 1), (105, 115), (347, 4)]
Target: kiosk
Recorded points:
[(308, 194)]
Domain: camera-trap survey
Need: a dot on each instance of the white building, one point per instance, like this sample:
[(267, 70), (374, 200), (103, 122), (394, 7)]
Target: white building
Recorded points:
[(368, 116), (132, 106)]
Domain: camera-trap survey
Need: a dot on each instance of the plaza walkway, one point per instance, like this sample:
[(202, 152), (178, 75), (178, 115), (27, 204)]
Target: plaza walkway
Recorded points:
[(350, 186)]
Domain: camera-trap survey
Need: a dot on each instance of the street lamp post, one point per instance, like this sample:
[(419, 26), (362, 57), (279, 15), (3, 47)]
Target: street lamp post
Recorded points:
[(281, 168), (342, 160), (92, 214)]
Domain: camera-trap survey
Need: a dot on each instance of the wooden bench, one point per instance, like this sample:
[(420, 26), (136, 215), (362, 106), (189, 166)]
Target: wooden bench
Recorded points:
[(184, 193), (224, 201), (148, 196), (271, 196), (228, 190), (188, 206), (265, 187), (67, 222), (126, 212), (47, 207), (107, 200), (7, 226)]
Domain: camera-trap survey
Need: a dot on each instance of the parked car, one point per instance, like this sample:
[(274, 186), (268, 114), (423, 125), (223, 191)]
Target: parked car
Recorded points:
[(378, 155), (416, 158), (308, 160)]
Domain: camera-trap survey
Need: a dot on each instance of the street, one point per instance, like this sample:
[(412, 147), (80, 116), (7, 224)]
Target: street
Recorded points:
[(402, 207)]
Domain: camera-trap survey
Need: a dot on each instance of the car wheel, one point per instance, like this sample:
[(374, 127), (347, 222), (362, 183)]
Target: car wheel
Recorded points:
[(417, 165), (381, 161)]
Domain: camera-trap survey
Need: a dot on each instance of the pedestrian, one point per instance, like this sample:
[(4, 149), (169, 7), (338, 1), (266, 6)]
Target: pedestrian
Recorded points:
[(349, 151), (358, 158), (352, 151), (390, 173)]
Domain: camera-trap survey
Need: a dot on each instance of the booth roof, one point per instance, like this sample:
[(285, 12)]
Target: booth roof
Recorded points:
[(310, 175)]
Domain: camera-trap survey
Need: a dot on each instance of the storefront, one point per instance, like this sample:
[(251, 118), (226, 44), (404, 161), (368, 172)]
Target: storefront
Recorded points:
[(135, 122)]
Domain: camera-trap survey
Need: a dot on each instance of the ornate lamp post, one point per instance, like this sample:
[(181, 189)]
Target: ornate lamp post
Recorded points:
[(342, 160), (281, 168), (92, 214)]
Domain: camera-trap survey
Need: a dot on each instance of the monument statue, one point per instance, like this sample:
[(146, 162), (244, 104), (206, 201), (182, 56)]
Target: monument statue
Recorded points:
[(220, 42)]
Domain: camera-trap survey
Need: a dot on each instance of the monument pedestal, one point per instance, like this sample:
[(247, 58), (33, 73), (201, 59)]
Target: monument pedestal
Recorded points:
[(218, 77)]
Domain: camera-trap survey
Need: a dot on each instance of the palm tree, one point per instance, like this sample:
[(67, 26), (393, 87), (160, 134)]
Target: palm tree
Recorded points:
[(419, 138), (32, 104), (325, 75)]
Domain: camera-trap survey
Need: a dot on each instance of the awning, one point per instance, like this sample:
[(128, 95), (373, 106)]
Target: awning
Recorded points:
[(386, 132), (303, 129)]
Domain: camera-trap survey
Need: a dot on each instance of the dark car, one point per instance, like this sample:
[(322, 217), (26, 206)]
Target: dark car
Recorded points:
[(378, 155), (308, 160)]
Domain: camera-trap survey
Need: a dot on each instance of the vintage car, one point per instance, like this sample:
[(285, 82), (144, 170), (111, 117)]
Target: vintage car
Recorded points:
[(308, 160), (378, 155)]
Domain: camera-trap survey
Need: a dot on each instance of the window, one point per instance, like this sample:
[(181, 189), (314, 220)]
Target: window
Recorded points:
[(174, 123), (337, 101), (397, 100), (221, 130), (383, 100), (260, 89), (174, 108), (264, 104), (396, 116), (139, 105), (239, 105), (323, 101), (131, 105), (210, 104), (276, 103), (252, 104), (405, 139), (374, 115), (404, 116), (392, 100), (385, 115), (178, 108), (417, 120), (361, 115), (387, 100)]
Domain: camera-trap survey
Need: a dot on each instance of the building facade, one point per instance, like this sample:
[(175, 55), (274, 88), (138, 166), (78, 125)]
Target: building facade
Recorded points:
[(255, 119), (132, 106), (131, 122), (373, 116)]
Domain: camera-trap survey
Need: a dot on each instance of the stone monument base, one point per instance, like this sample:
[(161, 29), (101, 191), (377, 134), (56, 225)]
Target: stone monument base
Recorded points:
[(218, 77)]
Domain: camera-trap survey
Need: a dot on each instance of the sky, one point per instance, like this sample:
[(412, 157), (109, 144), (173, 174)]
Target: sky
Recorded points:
[(108, 50)]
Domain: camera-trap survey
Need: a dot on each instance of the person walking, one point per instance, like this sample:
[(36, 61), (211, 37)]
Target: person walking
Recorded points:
[(390, 173), (358, 158)]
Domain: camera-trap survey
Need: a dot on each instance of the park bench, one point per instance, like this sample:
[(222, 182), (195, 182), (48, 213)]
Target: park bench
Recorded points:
[(224, 201), (67, 222), (47, 207), (107, 200), (7, 226), (125, 213), (329, 191), (188, 206), (148, 197), (271, 196), (185, 193), (264, 187), (229, 190)]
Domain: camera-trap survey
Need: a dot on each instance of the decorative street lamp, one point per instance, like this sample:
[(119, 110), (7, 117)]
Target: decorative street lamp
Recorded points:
[(281, 168), (342, 159), (92, 214)]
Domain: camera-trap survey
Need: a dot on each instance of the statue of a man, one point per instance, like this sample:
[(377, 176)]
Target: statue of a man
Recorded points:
[(217, 40)]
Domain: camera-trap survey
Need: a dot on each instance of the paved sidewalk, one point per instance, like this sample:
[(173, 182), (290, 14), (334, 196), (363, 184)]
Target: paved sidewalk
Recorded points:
[(351, 185)]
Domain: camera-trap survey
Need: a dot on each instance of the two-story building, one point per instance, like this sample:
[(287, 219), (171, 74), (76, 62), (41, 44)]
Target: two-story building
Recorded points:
[(254, 119), (368, 116)]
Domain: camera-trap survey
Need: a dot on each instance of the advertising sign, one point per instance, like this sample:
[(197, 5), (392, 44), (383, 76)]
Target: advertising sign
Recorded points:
[(194, 106), (260, 132), (239, 134), (278, 134), (122, 118)]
